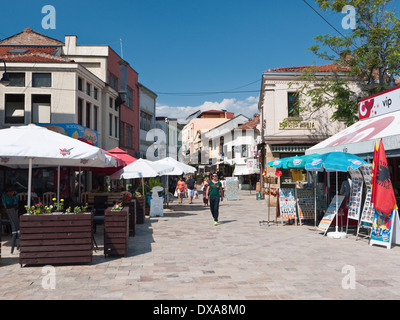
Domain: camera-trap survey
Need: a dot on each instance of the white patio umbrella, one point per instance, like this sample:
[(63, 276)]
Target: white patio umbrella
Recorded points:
[(32, 145), (142, 169), (179, 167)]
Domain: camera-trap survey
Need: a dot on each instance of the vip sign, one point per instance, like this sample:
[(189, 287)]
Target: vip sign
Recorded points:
[(379, 104)]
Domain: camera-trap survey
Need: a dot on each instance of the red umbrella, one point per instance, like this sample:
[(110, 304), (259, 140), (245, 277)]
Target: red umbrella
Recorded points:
[(123, 155)]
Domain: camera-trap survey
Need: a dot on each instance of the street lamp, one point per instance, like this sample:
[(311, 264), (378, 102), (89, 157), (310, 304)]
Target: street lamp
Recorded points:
[(5, 80)]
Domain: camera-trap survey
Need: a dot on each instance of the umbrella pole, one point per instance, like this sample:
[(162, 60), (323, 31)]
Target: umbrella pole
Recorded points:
[(58, 184), (30, 182), (315, 198), (144, 198), (337, 209)]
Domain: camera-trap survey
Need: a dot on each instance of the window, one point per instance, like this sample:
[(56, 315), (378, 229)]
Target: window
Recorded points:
[(41, 80), (95, 93), (88, 113), (293, 104), (129, 96), (145, 121), (113, 82), (41, 108), (128, 136), (110, 124), (95, 117), (80, 84), (17, 79), (116, 127), (80, 112), (111, 102), (88, 89), (244, 151), (14, 108)]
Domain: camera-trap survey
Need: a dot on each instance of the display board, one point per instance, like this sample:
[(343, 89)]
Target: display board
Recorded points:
[(330, 214), (368, 212), (287, 203), (305, 203), (232, 188), (385, 229), (355, 194)]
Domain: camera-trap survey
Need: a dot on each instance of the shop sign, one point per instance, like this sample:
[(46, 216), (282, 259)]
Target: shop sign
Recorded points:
[(379, 104), (298, 125)]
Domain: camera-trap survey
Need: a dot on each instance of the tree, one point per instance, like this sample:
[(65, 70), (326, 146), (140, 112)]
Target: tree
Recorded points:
[(370, 54)]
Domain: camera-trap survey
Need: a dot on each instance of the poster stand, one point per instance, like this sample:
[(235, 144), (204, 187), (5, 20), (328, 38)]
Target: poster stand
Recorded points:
[(287, 204), (367, 215), (269, 205), (305, 204), (354, 207), (385, 229), (330, 214)]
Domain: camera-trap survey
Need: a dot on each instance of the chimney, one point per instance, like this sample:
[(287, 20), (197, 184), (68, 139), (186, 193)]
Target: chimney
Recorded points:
[(256, 117), (70, 43)]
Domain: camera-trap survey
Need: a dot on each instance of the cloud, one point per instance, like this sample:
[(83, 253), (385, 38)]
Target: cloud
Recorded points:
[(247, 107)]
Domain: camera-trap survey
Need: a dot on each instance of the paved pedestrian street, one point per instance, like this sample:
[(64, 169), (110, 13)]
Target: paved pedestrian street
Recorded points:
[(184, 256)]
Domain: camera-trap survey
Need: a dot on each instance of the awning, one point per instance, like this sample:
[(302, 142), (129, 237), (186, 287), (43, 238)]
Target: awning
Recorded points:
[(359, 139), (243, 170)]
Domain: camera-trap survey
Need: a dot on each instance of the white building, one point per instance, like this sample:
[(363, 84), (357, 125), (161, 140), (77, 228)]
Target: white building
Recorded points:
[(147, 107)]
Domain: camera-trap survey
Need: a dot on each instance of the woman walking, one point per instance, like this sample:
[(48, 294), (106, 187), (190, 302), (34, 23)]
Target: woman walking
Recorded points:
[(204, 187), (215, 194), (180, 188)]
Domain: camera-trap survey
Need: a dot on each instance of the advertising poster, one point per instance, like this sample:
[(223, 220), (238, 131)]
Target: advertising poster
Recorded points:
[(368, 212), (355, 195), (385, 229), (330, 214), (73, 130), (287, 204), (232, 188), (305, 203)]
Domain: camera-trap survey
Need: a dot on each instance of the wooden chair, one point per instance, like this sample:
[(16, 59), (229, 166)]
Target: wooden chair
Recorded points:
[(23, 196), (84, 197), (48, 198)]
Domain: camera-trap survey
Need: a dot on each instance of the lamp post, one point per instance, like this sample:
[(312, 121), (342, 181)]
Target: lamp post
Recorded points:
[(5, 80)]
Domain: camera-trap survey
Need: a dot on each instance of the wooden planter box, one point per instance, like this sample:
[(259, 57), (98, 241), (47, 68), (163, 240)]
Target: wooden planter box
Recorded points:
[(56, 239), (116, 232), (132, 216), (140, 214)]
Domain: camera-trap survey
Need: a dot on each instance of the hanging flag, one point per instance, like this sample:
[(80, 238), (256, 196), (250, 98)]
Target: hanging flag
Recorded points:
[(374, 170), (382, 196)]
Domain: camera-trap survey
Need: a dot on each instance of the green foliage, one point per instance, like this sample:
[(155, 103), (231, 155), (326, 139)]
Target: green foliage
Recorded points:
[(374, 44)]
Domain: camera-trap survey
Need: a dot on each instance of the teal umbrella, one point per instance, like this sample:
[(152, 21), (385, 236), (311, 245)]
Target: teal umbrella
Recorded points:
[(334, 161), (300, 162), (281, 163)]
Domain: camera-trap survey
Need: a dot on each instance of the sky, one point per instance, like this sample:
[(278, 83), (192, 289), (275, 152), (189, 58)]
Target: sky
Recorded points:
[(195, 55)]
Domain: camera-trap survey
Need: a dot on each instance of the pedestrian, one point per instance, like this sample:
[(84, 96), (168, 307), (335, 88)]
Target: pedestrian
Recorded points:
[(9, 202), (204, 186), (191, 188), (180, 188), (215, 194)]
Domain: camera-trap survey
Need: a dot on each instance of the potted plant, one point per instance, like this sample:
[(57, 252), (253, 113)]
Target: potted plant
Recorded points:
[(116, 230), (48, 237)]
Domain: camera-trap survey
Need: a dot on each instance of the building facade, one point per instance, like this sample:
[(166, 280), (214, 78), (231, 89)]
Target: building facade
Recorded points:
[(278, 103)]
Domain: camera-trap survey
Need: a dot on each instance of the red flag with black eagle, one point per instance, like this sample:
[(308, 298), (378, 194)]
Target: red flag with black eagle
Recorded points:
[(382, 196)]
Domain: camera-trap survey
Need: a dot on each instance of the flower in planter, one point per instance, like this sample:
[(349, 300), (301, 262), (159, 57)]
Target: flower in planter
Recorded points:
[(58, 206), (117, 207), (138, 194)]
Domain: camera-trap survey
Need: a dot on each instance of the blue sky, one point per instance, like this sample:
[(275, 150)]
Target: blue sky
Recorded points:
[(181, 46)]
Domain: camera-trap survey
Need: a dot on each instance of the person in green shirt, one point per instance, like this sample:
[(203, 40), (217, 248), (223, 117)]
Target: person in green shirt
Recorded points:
[(215, 194)]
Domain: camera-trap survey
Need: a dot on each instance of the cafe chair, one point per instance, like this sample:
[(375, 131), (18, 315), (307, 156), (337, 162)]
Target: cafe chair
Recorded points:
[(48, 198), (84, 197)]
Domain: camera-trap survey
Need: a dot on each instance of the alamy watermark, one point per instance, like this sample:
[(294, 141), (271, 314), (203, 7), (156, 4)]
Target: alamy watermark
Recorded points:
[(349, 280), (49, 278), (349, 20), (49, 20)]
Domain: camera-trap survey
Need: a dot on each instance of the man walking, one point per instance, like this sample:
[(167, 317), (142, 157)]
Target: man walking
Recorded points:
[(215, 194), (191, 188)]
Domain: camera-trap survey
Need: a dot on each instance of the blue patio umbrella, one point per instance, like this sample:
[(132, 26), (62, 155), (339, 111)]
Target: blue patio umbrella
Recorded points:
[(281, 163), (334, 162), (300, 162)]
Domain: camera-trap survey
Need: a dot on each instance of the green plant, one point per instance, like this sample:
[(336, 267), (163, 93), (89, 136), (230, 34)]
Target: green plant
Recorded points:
[(117, 207), (77, 209)]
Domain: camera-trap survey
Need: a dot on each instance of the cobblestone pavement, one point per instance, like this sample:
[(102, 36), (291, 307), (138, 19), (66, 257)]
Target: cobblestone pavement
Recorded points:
[(184, 256)]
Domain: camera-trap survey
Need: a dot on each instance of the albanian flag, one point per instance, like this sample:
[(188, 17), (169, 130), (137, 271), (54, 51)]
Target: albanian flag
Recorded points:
[(382, 196)]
